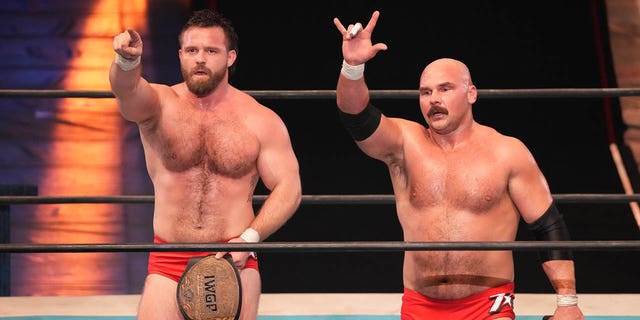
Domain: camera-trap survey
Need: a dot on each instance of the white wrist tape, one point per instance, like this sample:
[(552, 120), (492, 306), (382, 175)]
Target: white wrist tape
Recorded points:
[(250, 235), (352, 72), (567, 300), (127, 64)]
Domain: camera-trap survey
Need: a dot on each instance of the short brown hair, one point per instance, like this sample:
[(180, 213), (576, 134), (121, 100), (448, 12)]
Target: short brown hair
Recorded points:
[(206, 18)]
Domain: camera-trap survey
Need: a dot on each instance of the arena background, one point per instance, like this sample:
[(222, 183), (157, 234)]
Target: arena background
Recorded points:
[(294, 45)]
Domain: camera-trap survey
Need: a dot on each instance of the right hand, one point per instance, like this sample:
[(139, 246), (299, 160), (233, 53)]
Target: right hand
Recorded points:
[(359, 49), (128, 44), (239, 258)]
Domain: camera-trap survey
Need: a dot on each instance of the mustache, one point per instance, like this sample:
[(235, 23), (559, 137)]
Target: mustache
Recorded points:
[(437, 109), (201, 69)]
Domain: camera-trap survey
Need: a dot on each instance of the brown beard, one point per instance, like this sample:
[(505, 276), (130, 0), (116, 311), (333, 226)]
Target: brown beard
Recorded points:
[(203, 87)]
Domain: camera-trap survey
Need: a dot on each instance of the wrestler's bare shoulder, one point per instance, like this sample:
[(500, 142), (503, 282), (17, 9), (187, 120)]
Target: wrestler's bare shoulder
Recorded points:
[(409, 127), (498, 137), (501, 143), (257, 113), (165, 90), (244, 100)]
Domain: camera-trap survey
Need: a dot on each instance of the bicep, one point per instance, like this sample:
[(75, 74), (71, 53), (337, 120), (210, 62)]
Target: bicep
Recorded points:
[(528, 186), (142, 103), (277, 162), (386, 140)]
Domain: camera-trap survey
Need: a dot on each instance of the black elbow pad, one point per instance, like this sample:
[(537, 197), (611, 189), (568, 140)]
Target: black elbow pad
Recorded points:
[(551, 227)]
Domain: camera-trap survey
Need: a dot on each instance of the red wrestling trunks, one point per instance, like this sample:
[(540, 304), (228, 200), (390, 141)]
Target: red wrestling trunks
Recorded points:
[(489, 304), (173, 264)]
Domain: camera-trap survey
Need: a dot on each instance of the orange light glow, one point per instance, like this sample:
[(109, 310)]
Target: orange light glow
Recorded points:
[(83, 158)]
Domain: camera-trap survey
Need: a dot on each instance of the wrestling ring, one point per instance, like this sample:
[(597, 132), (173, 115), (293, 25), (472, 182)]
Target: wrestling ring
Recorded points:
[(306, 306)]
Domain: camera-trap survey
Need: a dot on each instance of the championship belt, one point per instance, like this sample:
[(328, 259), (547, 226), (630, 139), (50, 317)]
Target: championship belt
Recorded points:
[(210, 289)]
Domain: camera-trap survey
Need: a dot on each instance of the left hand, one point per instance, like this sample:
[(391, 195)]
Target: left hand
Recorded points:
[(568, 313)]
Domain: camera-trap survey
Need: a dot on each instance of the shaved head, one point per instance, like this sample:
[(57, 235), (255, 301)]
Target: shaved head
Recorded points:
[(454, 68)]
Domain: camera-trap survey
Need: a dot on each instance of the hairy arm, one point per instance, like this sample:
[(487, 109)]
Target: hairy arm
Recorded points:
[(279, 171), (137, 99)]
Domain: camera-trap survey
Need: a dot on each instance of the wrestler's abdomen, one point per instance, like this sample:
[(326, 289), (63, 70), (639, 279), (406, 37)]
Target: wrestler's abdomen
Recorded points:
[(456, 198), (204, 173), (455, 274)]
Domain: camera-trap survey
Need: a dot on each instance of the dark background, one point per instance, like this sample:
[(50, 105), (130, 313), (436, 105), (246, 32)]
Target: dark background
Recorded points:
[(287, 45), (506, 44)]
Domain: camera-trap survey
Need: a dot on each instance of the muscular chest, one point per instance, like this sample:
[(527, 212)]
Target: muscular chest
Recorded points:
[(220, 143), (467, 181)]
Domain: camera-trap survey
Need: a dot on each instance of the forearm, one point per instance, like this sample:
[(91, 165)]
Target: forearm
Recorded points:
[(352, 96), (278, 208), (561, 274), (137, 100), (124, 83)]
